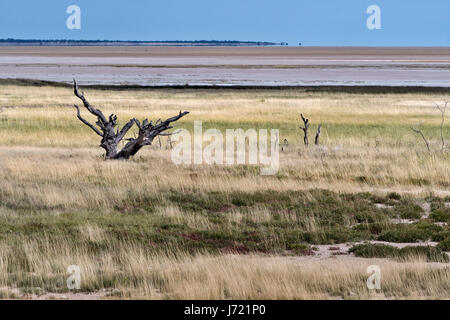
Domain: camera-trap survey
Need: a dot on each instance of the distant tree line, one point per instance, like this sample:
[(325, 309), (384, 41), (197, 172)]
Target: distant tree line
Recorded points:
[(136, 42)]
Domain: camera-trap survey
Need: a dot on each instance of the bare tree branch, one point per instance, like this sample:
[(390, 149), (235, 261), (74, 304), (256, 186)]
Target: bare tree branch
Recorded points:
[(87, 123), (147, 133), (305, 129), (125, 129), (418, 130), (442, 111), (316, 141), (91, 109)]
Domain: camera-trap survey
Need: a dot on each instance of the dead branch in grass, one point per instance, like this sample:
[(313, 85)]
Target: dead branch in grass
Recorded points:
[(305, 129), (442, 111), (417, 129)]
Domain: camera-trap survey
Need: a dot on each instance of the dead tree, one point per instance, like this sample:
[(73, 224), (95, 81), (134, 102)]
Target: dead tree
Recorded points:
[(305, 129), (316, 140), (112, 136), (417, 129), (442, 111)]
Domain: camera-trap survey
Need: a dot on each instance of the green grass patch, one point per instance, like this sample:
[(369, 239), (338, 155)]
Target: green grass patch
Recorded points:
[(432, 254), (419, 231)]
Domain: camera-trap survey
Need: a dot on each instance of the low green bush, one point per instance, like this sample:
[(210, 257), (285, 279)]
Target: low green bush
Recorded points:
[(432, 254)]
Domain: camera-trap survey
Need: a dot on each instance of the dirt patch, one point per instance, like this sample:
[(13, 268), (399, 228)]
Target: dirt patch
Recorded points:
[(426, 207), (402, 221), (383, 206)]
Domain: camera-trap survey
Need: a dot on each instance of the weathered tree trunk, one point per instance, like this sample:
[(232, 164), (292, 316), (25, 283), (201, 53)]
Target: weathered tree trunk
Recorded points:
[(305, 129), (147, 133), (316, 140), (111, 137)]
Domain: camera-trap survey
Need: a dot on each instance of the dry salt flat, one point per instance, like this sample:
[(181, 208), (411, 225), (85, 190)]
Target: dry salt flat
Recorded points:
[(226, 66)]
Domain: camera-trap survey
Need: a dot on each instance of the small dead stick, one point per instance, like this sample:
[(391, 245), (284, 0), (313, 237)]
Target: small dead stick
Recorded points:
[(316, 141), (160, 144), (442, 111), (305, 129), (285, 144), (418, 130)]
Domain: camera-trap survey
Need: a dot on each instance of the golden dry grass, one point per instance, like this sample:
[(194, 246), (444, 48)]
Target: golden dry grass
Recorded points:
[(44, 116), (367, 143), (177, 275), (78, 178), (51, 162)]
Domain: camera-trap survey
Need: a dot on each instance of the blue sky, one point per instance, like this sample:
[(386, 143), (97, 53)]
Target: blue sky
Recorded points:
[(313, 22)]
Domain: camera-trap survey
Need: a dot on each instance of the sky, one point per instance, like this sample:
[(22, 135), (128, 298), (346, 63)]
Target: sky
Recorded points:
[(312, 22)]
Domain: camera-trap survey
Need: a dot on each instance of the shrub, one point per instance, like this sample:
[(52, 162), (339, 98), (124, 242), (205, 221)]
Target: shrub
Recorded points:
[(369, 250), (420, 231), (407, 209), (373, 250), (444, 245), (394, 196), (439, 212)]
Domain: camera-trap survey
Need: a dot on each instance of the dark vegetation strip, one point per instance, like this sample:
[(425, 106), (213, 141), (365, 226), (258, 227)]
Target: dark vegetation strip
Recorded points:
[(318, 89), (283, 228)]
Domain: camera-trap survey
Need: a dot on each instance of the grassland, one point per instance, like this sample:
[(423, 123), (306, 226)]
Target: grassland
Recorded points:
[(148, 228)]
